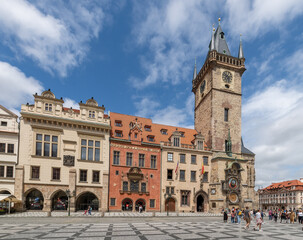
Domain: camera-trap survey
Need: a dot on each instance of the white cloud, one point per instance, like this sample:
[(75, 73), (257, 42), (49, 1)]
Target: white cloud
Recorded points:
[(174, 33), (70, 103), (272, 127), (16, 87), (256, 18), (169, 115), (54, 34)]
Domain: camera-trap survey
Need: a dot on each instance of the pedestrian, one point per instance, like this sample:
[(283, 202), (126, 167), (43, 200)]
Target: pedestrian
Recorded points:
[(90, 210), (300, 216), (239, 215), (258, 221), (225, 216), (276, 216), (270, 215), (140, 208), (247, 218), (283, 216), (292, 217), (232, 216), (85, 212)]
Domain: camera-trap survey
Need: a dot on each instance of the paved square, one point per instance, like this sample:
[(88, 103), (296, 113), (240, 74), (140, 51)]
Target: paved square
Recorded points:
[(157, 228)]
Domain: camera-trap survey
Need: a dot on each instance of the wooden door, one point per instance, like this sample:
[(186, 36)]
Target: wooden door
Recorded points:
[(170, 205)]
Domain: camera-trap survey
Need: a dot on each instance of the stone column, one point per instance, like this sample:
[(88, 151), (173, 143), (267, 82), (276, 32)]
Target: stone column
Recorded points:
[(72, 188), (104, 198), (19, 187), (47, 205)]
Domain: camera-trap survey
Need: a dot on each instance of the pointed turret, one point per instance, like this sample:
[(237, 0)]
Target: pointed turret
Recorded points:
[(240, 54), (195, 70), (218, 41), (212, 43)]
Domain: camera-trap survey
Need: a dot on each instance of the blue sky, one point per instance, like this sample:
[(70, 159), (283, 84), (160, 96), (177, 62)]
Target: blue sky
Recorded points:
[(137, 57)]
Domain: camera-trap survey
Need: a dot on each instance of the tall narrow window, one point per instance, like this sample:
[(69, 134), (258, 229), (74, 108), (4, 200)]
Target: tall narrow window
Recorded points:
[(125, 186), (1, 171), (153, 161), (182, 158), (193, 159), (83, 149), (143, 187), (83, 175), (10, 148), (205, 160), (141, 160), (170, 157), (56, 173), (129, 159), (54, 146), (96, 176), (182, 175), (200, 145), (39, 144), (90, 150), (193, 176), (46, 145), (116, 158), (169, 174), (176, 141), (205, 177), (2, 147), (35, 172), (226, 114)]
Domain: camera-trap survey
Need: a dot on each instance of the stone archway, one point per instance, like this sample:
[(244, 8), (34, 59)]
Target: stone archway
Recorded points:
[(5, 192), (140, 202), (127, 204), (34, 200), (201, 200), (170, 205), (85, 200), (200, 203), (59, 200)]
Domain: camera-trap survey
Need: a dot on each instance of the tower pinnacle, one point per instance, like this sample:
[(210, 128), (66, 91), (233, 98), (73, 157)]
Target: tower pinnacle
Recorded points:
[(195, 70), (240, 54)]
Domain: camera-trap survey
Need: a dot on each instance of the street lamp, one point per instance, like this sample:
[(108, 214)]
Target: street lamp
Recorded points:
[(69, 195), (167, 196)]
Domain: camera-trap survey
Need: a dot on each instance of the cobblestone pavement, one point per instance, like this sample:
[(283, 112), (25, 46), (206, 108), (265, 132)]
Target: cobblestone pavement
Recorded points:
[(110, 214), (159, 230)]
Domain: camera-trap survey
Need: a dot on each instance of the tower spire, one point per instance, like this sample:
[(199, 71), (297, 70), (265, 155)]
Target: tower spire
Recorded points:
[(195, 70), (240, 53), (212, 43)]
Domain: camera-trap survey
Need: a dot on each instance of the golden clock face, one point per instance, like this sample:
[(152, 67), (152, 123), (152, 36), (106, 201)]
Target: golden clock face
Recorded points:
[(233, 197), (227, 76)]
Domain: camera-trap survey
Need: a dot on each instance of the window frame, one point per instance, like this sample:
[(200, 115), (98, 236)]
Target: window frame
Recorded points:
[(90, 149), (226, 114), (81, 175), (116, 159), (153, 161), (93, 176), (52, 144), (38, 172), (182, 157), (129, 159), (191, 176), (170, 154), (184, 178), (56, 178), (141, 160), (172, 174), (154, 203), (193, 157)]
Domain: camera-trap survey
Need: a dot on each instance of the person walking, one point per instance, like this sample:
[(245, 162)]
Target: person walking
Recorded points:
[(247, 218), (292, 217), (225, 216), (232, 216), (270, 215), (258, 221), (90, 210), (239, 215), (300, 216), (275, 216)]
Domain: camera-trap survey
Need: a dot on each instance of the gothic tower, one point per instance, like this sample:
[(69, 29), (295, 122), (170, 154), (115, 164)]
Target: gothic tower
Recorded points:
[(217, 89)]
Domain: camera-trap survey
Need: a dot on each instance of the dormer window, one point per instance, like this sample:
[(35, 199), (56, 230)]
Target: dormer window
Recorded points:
[(200, 145), (182, 134), (118, 133), (48, 107), (163, 131), (147, 128), (176, 142), (91, 114), (118, 123), (150, 138)]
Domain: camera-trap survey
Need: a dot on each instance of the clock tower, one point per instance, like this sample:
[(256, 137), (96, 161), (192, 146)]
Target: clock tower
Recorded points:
[(217, 89)]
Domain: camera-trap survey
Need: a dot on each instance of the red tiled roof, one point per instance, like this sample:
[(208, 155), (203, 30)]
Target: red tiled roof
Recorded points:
[(285, 184), (155, 129), (65, 109)]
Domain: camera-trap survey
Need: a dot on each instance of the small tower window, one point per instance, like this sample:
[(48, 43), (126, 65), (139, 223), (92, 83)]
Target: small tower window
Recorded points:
[(222, 35), (226, 114), (48, 107)]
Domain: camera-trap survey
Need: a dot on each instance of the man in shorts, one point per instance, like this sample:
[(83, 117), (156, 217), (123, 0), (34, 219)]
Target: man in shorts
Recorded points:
[(247, 218)]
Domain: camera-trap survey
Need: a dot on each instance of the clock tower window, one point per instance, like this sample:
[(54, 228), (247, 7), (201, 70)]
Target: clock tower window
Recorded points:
[(226, 110)]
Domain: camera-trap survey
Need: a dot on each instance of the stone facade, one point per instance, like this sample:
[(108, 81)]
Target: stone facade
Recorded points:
[(282, 195), (217, 90), (63, 149), (8, 150)]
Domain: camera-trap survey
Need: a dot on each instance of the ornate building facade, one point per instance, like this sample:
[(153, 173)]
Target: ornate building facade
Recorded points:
[(282, 195), (8, 150), (63, 152), (217, 89)]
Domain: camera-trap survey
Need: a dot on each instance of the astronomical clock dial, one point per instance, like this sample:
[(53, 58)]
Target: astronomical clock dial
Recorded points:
[(202, 87), (233, 198), (227, 76), (233, 183)]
